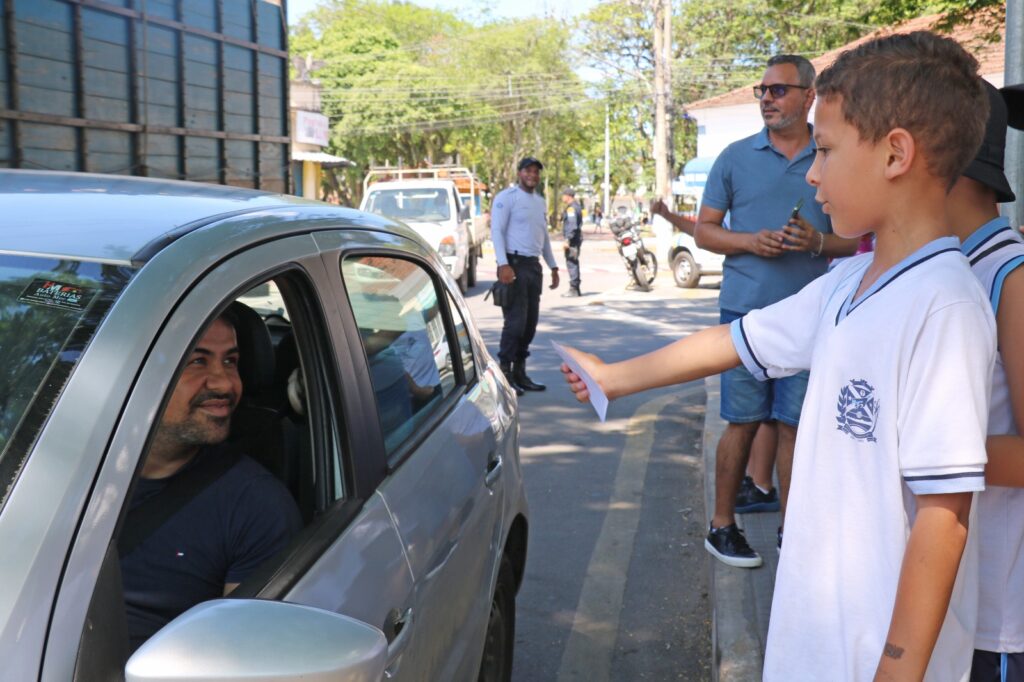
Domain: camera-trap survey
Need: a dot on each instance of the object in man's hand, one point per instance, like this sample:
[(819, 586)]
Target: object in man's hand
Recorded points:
[(796, 209), (501, 294)]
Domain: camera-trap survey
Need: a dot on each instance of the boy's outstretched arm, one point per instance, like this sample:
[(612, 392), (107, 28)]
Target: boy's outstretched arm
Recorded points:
[(709, 351), (1006, 453), (929, 569)]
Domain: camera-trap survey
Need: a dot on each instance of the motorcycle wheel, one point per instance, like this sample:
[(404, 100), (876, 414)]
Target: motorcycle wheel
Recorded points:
[(652, 265), (641, 275)]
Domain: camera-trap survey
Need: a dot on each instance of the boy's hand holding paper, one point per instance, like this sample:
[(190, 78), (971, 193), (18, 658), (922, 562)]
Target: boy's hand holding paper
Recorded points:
[(581, 381)]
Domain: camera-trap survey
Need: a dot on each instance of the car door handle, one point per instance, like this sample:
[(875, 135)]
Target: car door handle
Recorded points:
[(494, 468), (397, 629)]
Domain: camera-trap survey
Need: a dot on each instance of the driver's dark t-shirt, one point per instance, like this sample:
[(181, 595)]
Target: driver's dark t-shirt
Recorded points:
[(219, 536)]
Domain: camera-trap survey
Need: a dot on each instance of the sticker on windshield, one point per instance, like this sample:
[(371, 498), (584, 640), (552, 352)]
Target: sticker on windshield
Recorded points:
[(61, 295)]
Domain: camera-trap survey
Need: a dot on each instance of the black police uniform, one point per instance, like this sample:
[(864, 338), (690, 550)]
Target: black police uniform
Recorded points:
[(572, 230)]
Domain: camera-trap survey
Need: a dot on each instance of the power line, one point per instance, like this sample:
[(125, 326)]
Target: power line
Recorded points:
[(442, 124)]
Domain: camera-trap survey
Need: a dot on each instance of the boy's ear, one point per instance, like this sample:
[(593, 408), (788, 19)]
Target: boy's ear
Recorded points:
[(900, 150)]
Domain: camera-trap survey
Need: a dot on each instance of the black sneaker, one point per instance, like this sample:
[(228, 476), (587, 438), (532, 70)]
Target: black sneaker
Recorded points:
[(728, 545), (750, 500)]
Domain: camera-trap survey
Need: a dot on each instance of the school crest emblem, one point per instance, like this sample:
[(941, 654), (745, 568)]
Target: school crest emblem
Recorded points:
[(857, 410)]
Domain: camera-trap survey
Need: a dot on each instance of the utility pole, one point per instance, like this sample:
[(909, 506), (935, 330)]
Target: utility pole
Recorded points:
[(666, 73), (1013, 74), (607, 157), (662, 97), (662, 125)]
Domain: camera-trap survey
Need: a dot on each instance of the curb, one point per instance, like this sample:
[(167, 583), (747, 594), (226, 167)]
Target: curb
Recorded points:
[(740, 598)]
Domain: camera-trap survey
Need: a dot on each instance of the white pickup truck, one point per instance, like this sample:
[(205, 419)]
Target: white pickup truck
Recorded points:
[(434, 207)]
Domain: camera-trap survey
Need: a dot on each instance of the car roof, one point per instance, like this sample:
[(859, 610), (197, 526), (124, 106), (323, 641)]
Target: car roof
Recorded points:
[(111, 218)]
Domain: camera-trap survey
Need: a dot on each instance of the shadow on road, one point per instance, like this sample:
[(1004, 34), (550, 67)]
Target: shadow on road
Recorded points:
[(571, 463)]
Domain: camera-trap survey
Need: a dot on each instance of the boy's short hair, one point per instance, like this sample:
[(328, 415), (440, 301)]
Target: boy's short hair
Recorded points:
[(804, 68), (922, 82)]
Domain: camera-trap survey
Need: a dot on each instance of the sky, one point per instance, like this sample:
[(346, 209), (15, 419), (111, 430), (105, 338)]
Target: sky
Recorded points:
[(499, 8)]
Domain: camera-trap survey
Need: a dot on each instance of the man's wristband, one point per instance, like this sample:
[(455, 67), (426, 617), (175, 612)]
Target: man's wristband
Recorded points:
[(821, 245)]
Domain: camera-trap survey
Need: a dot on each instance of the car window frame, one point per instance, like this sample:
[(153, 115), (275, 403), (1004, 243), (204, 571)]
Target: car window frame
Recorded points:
[(283, 570), (334, 258), (294, 561)]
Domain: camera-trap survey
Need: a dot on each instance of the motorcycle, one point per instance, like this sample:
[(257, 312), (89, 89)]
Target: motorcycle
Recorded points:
[(641, 264)]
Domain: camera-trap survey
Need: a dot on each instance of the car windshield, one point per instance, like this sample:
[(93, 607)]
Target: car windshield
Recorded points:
[(49, 310), (410, 205)]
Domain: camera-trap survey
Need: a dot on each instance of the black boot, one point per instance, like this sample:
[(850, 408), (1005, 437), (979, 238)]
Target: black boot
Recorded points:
[(522, 381), (506, 369)]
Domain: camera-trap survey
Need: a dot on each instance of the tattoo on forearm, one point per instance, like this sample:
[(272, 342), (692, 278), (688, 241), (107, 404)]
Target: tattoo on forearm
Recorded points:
[(893, 651)]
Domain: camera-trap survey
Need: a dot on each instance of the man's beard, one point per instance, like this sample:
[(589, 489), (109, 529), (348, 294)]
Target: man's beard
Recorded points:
[(782, 123), (197, 431), (200, 429)]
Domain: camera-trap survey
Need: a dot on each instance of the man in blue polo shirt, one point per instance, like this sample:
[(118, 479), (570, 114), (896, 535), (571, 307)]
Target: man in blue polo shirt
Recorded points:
[(772, 249)]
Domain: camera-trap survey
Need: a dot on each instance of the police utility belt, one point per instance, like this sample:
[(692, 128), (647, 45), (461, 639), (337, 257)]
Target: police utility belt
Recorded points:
[(502, 294)]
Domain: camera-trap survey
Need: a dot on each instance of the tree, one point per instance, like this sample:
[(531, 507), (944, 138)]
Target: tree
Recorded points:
[(403, 83)]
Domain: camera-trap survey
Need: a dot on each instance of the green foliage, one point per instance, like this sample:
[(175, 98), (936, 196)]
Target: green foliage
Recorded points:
[(404, 84)]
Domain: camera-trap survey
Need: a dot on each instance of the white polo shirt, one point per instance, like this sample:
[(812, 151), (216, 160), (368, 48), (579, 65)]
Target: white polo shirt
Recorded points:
[(994, 251), (896, 406)]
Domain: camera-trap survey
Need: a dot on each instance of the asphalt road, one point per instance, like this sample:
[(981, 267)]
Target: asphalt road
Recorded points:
[(616, 583)]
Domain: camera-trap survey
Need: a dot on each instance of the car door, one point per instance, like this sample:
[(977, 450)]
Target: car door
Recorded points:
[(443, 486), (349, 557)]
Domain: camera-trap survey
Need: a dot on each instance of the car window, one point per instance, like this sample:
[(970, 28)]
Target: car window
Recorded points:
[(396, 308), (49, 310), (253, 396), (411, 204), (266, 299), (465, 345)]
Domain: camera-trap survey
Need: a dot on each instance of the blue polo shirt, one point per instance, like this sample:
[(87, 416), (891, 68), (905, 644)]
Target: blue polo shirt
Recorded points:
[(758, 186)]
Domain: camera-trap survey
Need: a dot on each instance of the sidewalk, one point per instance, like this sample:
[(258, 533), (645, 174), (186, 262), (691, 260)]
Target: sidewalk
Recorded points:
[(741, 598)]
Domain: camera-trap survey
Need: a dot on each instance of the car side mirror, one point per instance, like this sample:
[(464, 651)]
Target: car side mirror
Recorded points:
[(464, 213), (249, 639)]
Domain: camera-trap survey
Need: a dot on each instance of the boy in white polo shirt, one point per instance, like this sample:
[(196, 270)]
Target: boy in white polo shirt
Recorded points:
[(878, 576)]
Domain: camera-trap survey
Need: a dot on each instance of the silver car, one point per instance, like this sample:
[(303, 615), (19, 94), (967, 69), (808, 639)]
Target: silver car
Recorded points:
[(414, 520)]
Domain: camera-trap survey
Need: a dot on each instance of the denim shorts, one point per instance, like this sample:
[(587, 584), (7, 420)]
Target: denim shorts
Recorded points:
[(746, 400)]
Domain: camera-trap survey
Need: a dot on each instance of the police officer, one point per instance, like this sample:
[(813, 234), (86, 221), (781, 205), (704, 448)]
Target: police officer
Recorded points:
[(572, 230), (519, 231)]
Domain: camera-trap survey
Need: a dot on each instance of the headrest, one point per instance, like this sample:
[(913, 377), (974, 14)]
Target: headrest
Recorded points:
[(255, 347)]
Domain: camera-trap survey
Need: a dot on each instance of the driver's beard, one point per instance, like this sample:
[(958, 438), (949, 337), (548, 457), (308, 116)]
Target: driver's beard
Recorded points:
[(194, 432)]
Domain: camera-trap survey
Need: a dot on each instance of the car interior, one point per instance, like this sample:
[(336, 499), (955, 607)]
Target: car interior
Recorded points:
[(271, 421)]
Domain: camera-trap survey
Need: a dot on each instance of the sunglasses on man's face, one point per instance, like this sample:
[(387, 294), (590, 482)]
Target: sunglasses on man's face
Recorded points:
[(778, 90)]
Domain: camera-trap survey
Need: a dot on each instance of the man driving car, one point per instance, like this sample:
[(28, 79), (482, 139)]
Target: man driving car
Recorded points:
[(226, 515)]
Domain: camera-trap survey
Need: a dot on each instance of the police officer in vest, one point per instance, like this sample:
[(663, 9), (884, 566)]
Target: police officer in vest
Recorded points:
[(572, 230), (519, 231)]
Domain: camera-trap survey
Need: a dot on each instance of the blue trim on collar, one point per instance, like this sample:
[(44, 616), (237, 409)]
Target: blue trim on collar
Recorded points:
[(924, 253), (984, 232)]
